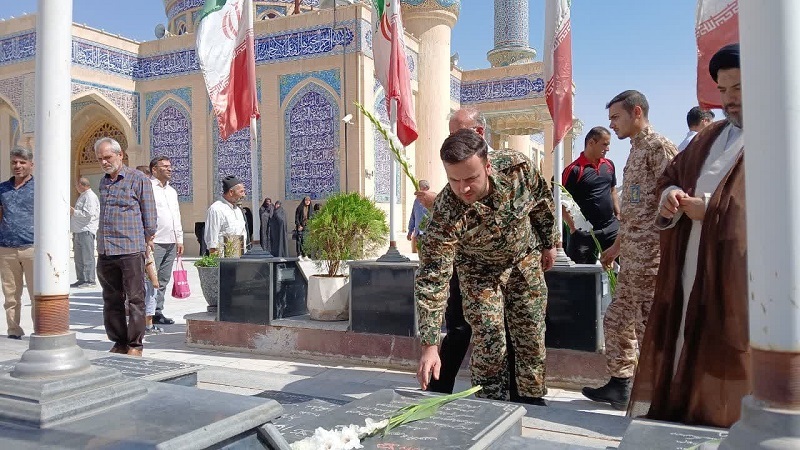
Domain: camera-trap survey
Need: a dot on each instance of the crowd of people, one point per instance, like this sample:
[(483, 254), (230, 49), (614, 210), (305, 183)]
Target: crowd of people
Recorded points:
[(676, 336)]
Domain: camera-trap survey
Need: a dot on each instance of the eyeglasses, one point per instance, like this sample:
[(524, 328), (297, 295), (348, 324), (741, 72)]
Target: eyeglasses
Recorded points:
[(164, 167)]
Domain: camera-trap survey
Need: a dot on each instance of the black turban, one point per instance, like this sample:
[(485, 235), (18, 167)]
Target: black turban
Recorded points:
[(229, 182), (726, 58)]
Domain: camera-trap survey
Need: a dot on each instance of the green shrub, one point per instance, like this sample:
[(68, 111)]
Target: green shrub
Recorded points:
[(349, 226), (207, 261)]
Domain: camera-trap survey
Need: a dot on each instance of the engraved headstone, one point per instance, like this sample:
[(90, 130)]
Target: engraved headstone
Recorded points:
[(461, 424), (667, 436)]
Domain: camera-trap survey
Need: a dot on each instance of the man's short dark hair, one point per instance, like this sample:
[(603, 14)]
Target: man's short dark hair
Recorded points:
[(154, 162), (461, 145), (631, 99), (697, 115), (144, 169), (595, 133)]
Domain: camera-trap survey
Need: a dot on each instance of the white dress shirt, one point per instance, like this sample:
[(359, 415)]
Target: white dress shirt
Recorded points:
[(689, 136), (168, 212), (87, 213), (224, 219)]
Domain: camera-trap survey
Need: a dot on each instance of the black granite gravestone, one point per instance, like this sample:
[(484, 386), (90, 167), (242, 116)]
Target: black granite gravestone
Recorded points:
[(260, 290), (655, 435), (461, 424), (576, 302), (382, 298)]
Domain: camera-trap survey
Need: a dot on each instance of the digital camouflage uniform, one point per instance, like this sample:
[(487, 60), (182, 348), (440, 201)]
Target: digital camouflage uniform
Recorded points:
[(494, 244), (626, 316)]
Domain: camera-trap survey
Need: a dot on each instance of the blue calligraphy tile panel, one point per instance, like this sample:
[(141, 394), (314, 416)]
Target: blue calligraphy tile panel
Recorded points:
[(103, 58), (17, 48), (78, 106), (152, 98), (312, 143), (182, 6), (304, 44), (171, 135), (172, 64), (504, 89), (331, 77), (383, 154), (126, 101), (232, 156), (14, 127), (455, 89)]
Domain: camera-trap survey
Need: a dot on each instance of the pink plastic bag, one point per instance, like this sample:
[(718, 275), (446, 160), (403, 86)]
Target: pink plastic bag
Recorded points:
[(180, 281)]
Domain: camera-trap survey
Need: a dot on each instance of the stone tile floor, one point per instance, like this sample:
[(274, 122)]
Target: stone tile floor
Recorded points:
[(251, 374)]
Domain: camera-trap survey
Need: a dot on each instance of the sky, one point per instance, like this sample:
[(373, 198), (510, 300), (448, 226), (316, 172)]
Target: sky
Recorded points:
[(616, 45)]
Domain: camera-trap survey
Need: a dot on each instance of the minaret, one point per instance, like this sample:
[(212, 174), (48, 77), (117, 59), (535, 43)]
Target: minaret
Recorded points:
[(432, 21), (511, 34)]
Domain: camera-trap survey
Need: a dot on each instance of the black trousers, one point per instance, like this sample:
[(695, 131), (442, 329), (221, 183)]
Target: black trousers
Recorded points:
[(121, 276), (456, 343), (581, 247)]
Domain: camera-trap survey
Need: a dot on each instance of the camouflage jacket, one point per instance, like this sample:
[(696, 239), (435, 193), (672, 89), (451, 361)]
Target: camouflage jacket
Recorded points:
[(488, 237), (639, 239)]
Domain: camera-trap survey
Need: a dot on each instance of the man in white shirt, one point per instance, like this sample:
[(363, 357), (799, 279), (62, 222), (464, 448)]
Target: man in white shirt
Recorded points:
[(84, 221), (169, 234), (696, 119), (224, 218)]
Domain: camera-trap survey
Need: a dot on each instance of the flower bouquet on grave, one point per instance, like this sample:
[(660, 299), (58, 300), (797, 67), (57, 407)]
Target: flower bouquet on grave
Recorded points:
[(582, 224), (350, 436), (394, 144)]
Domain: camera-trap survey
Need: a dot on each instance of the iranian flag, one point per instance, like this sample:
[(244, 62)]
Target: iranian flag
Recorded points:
[(716, 25), (225, 49), (391, 68), (558, 66)]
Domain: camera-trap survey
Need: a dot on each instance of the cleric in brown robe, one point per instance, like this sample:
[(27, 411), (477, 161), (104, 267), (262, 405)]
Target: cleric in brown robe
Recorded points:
[(694, 365)]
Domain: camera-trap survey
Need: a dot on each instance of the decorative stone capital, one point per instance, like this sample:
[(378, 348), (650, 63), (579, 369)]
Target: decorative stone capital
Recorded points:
[(422, 14), (518, 122), (509, 56)]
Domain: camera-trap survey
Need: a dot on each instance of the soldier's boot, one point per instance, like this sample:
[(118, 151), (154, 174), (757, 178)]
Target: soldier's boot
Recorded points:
[(617, 392)]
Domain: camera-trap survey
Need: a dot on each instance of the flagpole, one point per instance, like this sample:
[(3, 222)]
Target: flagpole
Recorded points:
[(255, 183), (392, 255)]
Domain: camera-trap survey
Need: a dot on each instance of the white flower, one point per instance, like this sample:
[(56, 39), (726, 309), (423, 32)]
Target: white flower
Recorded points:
[(575, 211), (371, 426), (350, 438)]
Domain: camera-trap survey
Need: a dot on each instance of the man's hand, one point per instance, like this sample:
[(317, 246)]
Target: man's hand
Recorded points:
[(71, 210), (151, 244), (548, 258), (672, 204), (426, 198), (429, 363), (299, 228), (408, 236), (693, 207), (608, 256), (180, 249)]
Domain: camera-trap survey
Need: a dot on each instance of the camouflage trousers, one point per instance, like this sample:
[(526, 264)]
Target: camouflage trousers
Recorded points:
[(625, 320), (519, 295)]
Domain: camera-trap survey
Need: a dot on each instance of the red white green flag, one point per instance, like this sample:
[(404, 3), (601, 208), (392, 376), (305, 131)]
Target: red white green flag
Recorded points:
[(391, 66), (225, 49), (716, 25), (558, 66)]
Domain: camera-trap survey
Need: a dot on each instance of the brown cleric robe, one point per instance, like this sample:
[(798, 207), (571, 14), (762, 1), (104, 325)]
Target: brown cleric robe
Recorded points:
[(713, 372)]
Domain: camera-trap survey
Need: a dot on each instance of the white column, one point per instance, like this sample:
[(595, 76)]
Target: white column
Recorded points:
[(770, 59), (53, 134)]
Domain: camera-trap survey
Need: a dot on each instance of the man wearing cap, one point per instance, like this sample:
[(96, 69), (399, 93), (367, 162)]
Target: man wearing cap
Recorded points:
[(695, 360), (223, 217)]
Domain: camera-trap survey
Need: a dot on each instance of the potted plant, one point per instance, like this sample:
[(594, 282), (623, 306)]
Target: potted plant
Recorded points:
[(208, 271), (349, 226)]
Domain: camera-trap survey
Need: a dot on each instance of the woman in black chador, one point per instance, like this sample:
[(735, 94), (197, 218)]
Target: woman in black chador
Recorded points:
[(265, 213), (278, 241)]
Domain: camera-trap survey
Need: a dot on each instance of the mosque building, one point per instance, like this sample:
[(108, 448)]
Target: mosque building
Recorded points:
[(313, 61)]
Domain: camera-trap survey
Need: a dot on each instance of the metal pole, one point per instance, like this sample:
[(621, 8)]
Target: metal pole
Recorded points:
[(255, 199), (558, 166), (770, 45), (53, 348), (392, 255)]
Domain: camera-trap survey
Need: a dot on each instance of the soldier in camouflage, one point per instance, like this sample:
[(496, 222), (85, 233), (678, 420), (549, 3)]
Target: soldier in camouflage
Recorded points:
[(495, 222), (637, 245)]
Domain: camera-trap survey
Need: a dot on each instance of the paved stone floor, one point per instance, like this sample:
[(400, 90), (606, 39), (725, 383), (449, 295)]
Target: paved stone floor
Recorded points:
[(252, 374)]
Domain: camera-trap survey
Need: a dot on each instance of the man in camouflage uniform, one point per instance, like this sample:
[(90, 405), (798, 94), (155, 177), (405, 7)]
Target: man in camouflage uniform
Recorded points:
[(489, 221), (637, 245)]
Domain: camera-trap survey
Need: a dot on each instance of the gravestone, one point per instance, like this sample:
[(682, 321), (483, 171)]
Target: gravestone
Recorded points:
[(576, 301), (655, 435), (382, 298), (461, 424)]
